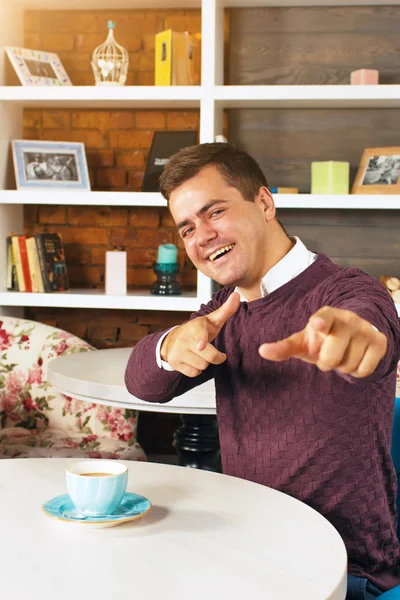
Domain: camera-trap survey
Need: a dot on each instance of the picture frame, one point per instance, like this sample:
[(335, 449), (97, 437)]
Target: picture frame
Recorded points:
[(379, 171), (164, 144), (52, 165), (34, 67)]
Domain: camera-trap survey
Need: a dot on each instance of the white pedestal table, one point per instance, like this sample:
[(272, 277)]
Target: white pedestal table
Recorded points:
[(99, 377), (207, 536)]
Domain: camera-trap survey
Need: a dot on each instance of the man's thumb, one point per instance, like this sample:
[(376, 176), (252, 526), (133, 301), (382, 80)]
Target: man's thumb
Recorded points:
[(322, 320), (219, 317)]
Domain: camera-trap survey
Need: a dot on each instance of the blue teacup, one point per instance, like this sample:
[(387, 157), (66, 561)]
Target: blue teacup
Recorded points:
[(96, 487)]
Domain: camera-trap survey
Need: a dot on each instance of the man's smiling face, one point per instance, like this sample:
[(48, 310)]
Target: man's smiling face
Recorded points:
[(225, 236)]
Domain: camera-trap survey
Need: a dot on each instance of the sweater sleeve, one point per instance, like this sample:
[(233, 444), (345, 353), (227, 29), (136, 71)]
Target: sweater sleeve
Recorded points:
[(365, 296), (143, 377)]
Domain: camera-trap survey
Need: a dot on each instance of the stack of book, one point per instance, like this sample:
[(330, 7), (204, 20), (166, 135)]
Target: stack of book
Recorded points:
[(36, 264)]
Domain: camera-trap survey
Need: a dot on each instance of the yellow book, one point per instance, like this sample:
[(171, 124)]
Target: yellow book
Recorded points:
[(18, 263), (34, 266), (163, 66), (177, 58)]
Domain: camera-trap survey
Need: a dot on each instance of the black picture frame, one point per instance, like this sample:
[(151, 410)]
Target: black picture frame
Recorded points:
[(164, 144)]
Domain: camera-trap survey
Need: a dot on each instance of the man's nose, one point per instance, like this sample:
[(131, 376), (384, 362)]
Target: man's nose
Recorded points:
[(205, 234)]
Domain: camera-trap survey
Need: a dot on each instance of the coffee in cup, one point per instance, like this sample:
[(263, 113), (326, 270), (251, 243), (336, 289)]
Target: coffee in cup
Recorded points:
[(96, 487)]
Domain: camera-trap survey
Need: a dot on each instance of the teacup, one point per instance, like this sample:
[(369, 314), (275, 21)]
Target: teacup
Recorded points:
[(96, 487)]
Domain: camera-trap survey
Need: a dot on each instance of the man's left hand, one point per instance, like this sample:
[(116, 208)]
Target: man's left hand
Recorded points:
[(333, 339)]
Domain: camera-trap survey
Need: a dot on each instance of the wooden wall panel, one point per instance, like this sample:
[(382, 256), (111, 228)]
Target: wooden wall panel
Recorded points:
[(313, 45), (286, 141)]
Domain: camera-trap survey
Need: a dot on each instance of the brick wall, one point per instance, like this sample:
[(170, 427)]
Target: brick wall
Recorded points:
[(116, 142), (117, 145)]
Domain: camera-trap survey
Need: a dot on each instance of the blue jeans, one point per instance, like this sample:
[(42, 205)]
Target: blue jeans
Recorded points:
[(359, 588)]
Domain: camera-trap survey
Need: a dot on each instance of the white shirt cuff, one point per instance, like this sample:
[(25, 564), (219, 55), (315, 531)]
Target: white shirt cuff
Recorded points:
[(160, 362)]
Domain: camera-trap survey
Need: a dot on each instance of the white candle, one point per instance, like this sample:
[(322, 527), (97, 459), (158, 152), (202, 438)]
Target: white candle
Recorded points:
[(116, 273)]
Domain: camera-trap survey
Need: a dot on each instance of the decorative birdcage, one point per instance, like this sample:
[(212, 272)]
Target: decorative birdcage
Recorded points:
[(110, 61)]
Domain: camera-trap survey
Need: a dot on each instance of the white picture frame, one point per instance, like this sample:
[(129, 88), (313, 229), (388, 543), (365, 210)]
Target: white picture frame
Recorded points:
[(52, 165), (34, 67)]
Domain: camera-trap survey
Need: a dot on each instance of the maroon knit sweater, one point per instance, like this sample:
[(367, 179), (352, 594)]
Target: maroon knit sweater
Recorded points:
[(323, 438)]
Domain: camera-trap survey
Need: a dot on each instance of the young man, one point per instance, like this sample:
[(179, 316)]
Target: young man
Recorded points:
[(303, 353)]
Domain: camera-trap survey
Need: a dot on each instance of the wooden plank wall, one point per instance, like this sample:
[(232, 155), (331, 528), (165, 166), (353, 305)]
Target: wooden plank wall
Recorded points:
[(313, 45)]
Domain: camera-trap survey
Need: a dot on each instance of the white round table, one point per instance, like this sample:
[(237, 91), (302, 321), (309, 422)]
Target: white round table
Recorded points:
[(99, 377), (207, 536)]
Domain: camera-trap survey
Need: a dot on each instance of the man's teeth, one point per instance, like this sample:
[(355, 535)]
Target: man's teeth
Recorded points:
[(212, 257)]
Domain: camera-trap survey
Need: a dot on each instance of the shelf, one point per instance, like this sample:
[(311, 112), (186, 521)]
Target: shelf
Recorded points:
[(186, 4), (282, 201), (322, 3), (95, 97), (106, 5), (138, 300), (338, 201), (308, 96), (189, 97), (98, 299), (78, 198)]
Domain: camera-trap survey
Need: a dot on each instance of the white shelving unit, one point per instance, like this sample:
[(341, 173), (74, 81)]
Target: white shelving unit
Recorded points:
[(316, 201), (211, 98), (85, 298), (80, 198)]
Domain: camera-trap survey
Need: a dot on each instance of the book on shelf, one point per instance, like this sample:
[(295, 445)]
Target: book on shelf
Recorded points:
[(52, 262), (36, 263), (24, 263), (16, 247), (12, 280), (164, 144)]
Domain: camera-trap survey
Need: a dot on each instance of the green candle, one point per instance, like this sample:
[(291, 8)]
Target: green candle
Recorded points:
[(167, 254)]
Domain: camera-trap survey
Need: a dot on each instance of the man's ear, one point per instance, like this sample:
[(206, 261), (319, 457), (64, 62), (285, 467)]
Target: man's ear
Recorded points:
[(266, 203)]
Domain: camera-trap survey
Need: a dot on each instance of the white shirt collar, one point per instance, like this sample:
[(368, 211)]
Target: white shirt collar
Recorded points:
[(291, 265)]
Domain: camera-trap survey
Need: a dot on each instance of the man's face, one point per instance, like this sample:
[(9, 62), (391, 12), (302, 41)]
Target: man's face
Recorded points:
[(224, 235)]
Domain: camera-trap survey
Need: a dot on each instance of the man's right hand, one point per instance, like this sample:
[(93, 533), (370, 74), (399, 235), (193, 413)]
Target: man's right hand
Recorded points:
[(187, 348)]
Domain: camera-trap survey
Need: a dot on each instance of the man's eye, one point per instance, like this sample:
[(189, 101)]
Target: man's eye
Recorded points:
[(216, 212), (186, 232)]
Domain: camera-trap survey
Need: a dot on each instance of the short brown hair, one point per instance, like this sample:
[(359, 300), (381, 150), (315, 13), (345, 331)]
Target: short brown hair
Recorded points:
[(237, 167)]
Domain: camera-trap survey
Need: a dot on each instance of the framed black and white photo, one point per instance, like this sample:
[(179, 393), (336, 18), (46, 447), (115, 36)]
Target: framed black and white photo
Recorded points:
[(35, 67), (59, 165), (379, 172)]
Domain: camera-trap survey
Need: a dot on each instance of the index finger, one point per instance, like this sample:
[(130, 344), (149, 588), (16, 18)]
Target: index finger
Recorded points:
[(291, 347)]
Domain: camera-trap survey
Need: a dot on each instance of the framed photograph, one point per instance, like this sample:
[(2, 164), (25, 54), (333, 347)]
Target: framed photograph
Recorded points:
[(164, 145), (53, 165), (379, 172), (34, 67)]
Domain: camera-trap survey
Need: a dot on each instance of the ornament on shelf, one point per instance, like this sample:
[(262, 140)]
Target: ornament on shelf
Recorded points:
[(392, 284), (110, 61), (166, 268)]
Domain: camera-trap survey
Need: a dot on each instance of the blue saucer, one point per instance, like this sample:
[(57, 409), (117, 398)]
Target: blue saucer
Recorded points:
[(132, 507)]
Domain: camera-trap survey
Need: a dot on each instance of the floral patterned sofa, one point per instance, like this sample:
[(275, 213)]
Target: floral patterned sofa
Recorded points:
[(38, 421)]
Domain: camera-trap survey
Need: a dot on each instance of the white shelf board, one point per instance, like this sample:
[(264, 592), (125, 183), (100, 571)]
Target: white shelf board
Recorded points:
[(336, 201), (308, 96), (81, 198), (189, 97), (137, 300), (282, 201), (322, 3), (184, 4), (91, 96), (105, 4), (98, 299)]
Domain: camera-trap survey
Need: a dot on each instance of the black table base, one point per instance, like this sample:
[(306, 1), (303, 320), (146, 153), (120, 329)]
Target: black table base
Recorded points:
[(197, 443)]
